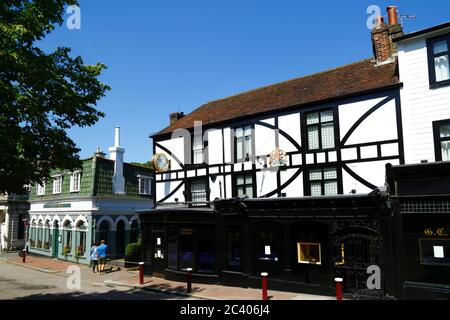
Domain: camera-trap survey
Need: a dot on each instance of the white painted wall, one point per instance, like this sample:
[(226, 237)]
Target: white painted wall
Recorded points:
[(264, 140), (291, 125), (380, 125), (420, 104), (215, 145), (266, 182), (176, 146)]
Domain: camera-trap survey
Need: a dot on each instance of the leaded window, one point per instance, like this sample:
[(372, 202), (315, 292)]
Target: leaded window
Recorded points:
[(320, 130), (323, 181), (243, 143), (244, 185)]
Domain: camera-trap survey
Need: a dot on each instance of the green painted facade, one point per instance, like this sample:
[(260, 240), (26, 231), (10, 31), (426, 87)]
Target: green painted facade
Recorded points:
[(61, 229)]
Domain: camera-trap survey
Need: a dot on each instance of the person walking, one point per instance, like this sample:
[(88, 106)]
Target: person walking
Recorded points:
[(94, 257), (102, 254)]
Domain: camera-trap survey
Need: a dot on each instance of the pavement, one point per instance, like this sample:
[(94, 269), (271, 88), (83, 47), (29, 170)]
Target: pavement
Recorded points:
[(124, 279)]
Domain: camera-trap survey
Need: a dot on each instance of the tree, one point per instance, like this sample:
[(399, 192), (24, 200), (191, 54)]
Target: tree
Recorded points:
[(147, 164), (41, 95)]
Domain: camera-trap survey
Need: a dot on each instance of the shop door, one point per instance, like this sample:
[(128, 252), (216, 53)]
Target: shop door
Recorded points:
[(159, 256), (354, 254)]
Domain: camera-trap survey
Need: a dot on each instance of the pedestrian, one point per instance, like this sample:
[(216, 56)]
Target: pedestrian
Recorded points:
[(94, 257), (102, 254)]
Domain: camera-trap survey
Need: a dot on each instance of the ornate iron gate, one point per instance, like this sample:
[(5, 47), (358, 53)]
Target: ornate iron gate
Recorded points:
[(356, 246)]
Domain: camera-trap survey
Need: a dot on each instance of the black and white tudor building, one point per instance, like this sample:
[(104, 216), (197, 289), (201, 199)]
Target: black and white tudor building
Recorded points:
[(290, 179)]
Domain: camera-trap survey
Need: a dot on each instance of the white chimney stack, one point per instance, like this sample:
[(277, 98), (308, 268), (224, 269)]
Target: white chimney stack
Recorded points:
[(116, 154)]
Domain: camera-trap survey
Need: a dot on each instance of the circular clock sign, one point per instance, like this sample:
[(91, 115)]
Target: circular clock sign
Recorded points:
[(160, 162)]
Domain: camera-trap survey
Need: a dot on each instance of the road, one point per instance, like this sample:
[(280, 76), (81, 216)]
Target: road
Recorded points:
[(17, 282)]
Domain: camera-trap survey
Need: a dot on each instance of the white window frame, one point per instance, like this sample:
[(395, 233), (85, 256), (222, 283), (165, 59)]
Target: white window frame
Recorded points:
[(197, 150), (73, 187), (40, 189), (60, 180), (142, 178)]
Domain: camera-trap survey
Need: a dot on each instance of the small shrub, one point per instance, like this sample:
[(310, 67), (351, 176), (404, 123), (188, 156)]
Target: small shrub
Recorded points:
[(133, 252)]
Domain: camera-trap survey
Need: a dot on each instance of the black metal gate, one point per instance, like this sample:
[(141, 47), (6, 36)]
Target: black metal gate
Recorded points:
[(356, 249)]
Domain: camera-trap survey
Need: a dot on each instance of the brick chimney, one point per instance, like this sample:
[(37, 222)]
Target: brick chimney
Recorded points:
[(175, 116), (384, 49)]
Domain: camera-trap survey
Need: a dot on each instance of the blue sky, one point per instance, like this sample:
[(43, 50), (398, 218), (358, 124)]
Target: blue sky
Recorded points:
[(174, 55)]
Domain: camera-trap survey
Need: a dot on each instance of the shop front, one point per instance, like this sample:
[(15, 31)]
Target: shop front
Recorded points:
[(302, 243), (420, 201)]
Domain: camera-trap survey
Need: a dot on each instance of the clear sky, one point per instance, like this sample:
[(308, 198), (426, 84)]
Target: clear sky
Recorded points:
[(174, 55)]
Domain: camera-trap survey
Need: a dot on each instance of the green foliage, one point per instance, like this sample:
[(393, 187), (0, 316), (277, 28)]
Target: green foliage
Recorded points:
[(145, 165), (133, 251), (42, 95)]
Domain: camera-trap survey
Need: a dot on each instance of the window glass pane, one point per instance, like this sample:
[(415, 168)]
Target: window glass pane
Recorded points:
[(316, 189), (198, 191), (329, 173), (442, 68), (445, 149), (240, 191), (312, 118), (326, 116), (327, 136), (239, 148), (240, 180), (330, 188), (248, 146), (313, 138), (239, 132), (249, 191), (248, 131), (315, 174), (173, 254), (248, 179), (445, 131), (440, 47), (198, 156)]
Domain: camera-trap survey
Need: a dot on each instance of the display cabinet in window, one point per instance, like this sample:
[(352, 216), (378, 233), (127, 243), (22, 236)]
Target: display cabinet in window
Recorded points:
[(309, 253)]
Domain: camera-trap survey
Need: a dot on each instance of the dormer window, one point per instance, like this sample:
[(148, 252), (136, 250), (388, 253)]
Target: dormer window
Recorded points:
[(75, 180), (144, 185), (438, 61), (57, 184), (40, 190)]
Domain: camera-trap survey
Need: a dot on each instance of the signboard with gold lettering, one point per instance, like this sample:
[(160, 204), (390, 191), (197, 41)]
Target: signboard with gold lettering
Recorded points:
[(439, 232)]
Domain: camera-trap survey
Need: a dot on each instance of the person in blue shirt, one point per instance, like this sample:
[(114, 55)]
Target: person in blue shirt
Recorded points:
[(102, 254), (94, 257)]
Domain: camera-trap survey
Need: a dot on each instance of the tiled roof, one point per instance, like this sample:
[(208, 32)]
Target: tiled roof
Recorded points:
[(347, 80)]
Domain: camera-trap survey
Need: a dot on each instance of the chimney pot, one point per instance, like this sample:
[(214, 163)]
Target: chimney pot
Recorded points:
[(175, 116), (392, 14)]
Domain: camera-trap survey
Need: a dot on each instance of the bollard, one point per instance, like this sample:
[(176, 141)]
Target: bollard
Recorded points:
[(338, 288), (264, 285), (189, 280), (141, 273), (24, 254)]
